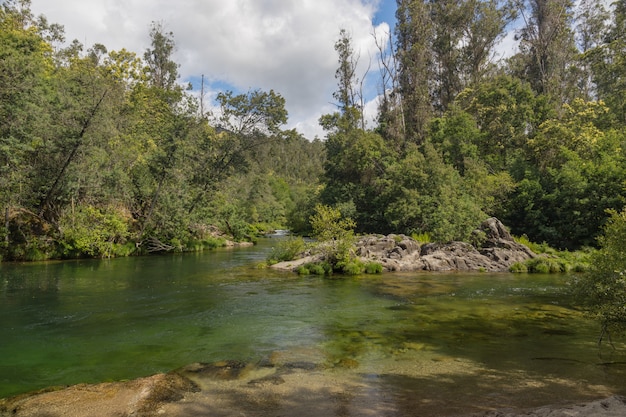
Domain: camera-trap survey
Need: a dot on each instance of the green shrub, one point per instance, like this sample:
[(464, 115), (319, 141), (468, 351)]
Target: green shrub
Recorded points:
[(92, 231), (327, 267), (286, 250), (303, 270), (316, 269), (373, 268), (334, 234), (546, 265), (538, 248), (422, 237), (518, 267), (478, 238), (353, 268), (602, 290)]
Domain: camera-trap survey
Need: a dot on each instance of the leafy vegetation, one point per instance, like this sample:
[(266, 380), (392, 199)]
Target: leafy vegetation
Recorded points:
[(602, 290), (104, 153)]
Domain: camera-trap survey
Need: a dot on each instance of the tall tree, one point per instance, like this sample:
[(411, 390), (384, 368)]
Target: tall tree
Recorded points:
[(608, 64), (414, 34), (348, 93), (161, 69), (547, 45), (25, 63), (485, 26), (591, 31)]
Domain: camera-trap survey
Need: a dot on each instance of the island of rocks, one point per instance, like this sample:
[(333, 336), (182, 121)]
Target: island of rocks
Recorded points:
[(495, 251)]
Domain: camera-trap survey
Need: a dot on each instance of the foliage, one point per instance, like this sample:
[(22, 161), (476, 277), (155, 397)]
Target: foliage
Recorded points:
[(602, 290), (551, 260), (286, 250), (89, 231), (104, 153), (335, 236)]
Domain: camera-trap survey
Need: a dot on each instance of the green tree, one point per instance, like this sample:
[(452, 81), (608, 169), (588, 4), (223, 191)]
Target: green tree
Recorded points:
[(608, 64), (505, 109), (160, 69), (429, 196), (547, 46), (334, 234), (25, 66), (591, 30), (414, 34), (602, 290)]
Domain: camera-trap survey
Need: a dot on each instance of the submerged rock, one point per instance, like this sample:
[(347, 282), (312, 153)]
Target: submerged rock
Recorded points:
[(140, 397), (614, 406)]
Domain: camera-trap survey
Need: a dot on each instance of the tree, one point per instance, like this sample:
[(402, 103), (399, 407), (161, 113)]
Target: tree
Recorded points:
[(602, 290), (335, 235), (25, 64), (414, 34), (547, 45), (429, 196), (255, 113), (348, 95), (505, 111), (591, 30), (162, 71), (485, 26), (608, 64)]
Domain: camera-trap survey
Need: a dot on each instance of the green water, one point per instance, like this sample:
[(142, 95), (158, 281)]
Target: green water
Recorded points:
[(438, 334)]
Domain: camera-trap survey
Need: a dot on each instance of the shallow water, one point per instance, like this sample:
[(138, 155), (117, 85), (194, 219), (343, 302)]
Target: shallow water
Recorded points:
[(415, 336)]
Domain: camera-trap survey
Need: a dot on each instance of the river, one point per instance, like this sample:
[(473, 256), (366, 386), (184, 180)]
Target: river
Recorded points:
[(461, 336)]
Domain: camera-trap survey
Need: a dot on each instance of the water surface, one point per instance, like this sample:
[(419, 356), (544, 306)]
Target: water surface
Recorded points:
[(420, 336)]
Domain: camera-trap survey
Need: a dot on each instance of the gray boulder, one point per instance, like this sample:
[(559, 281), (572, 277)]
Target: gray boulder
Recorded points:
[(496, 251)]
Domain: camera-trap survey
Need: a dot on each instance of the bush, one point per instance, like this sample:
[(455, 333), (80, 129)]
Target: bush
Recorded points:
[(518, 267), (602, 290), (547, 265), (316, 269), (353, 268), (286, 250), (373, 268), (92, 231), (422, 237), (335, 235), (535, 247), (303, 270)]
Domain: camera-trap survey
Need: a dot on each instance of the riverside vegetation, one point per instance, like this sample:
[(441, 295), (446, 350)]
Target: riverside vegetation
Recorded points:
[(105, 153)]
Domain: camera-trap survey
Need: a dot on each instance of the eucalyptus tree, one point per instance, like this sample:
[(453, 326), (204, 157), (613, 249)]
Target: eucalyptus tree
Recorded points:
[(592, 21), (442, 48), (414, 34), (608, 64), (548, 47)]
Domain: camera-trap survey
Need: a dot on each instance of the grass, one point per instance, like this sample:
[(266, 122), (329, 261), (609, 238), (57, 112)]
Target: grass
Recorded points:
[(551, 260)]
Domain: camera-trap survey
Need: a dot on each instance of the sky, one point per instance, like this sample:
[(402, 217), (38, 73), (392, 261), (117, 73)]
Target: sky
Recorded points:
[(241, 45)]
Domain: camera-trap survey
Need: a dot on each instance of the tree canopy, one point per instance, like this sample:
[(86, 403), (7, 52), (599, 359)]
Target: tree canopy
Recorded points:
[(106, 153)]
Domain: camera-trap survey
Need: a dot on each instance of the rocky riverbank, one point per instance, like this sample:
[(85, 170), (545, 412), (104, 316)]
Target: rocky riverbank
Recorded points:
[(232, 388), (495, 250)]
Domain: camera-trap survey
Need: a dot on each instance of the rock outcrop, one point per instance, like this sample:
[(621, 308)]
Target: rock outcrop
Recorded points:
[(495, 251)]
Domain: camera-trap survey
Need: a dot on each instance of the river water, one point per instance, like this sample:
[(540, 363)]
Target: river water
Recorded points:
[(461, 336)]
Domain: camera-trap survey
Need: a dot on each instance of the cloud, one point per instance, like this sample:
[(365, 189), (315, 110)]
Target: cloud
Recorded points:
[(284, 45)]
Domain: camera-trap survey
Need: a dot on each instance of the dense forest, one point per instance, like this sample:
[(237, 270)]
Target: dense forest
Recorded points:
[(105, 153)]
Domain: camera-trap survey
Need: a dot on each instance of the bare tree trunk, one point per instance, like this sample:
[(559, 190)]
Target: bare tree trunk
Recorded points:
[(6, 226)]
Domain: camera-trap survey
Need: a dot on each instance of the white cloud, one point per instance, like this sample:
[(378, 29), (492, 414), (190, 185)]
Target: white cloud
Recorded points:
[(283, 45)]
